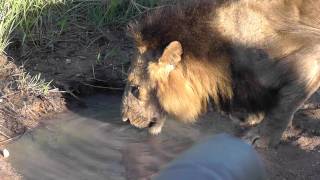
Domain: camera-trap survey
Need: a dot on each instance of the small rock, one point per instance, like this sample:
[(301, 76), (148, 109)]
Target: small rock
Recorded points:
[(68, 61), (82, 57), (5, 153)]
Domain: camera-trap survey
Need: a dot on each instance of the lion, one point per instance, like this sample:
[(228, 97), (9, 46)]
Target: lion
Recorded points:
[(261, 56)]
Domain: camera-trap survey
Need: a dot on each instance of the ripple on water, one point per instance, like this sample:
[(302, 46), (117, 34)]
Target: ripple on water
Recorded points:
[(94, 143)]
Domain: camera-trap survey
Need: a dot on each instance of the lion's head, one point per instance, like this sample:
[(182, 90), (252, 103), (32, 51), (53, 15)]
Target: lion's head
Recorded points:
[(156, 87), (162, 83)]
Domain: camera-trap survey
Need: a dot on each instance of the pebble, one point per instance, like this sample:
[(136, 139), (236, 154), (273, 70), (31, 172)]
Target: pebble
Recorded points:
[(82, 57), (68, 61), (5, 153)]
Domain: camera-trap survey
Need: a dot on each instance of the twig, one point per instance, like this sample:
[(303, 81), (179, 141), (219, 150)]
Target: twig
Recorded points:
[(94, 40), (310, 106), (100, 80), (56, 90), (93, 71), (102, 87), (14, 138), (72, 94), (4, 134)]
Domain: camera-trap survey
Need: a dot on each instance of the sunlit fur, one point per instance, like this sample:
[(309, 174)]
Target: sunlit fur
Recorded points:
[(185, 92)]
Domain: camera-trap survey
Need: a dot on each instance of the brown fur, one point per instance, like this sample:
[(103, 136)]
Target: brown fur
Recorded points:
[(261, 56)]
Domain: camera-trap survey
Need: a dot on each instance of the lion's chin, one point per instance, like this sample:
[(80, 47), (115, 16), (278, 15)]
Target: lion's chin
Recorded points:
[(140, 123), (153, 125)]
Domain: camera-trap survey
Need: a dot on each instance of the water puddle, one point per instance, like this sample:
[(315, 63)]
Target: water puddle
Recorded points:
[(93, 143)]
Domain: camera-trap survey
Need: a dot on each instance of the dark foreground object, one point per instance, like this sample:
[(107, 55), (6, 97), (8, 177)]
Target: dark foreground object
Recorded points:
[(220, 157)]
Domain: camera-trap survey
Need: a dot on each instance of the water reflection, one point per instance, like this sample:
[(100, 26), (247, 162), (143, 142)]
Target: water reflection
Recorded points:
[(93, 143)]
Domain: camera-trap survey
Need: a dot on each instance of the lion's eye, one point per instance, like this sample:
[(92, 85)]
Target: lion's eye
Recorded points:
[(135, 91)]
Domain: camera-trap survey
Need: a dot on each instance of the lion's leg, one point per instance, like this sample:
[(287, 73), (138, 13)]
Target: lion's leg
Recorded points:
[(292, 97), (302, 80), (269, 132)]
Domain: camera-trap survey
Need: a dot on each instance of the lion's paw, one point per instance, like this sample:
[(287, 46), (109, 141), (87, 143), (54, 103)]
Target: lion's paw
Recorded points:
[(156, 127), (155, 130)]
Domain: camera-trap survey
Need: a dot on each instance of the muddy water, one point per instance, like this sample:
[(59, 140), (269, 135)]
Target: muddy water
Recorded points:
[(93, 143)]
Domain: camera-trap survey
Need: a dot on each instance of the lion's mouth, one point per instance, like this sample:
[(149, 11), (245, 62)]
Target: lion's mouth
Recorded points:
[(140, 121), (138, 116)]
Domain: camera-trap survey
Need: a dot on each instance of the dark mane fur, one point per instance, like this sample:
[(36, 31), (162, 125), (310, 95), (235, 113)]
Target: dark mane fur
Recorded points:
[(188, 23)]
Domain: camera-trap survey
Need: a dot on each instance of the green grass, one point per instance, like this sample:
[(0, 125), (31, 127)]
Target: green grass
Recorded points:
[(39, 23), (22, 15), (35, 84), (7, 21)]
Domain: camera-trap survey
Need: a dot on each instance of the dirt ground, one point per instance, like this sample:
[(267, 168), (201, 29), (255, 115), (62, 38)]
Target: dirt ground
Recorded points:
[(82, 69), (7, 172), (79, 63), (298, 157)]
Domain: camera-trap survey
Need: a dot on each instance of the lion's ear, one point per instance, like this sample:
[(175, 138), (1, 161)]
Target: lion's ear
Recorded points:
[(168, 61), (172, 54)]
